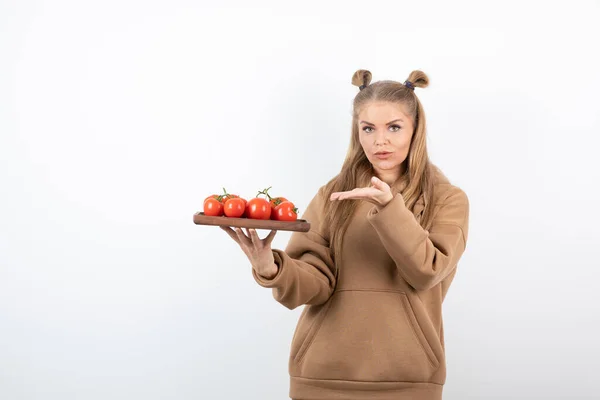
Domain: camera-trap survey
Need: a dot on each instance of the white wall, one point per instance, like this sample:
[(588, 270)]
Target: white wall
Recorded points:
[(117, 118)]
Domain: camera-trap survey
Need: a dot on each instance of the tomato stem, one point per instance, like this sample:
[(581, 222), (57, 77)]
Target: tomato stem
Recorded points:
[(225, 195), (265, 192)]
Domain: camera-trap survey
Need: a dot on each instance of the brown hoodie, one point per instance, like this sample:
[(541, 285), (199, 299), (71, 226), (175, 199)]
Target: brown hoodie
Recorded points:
[(374, 329)]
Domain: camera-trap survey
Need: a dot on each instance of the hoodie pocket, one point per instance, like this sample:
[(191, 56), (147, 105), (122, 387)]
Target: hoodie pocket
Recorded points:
[(308, 325), (418, 331), (366, 335)]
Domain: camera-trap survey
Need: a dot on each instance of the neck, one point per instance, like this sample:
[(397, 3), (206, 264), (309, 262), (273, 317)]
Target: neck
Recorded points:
[(390, 176)]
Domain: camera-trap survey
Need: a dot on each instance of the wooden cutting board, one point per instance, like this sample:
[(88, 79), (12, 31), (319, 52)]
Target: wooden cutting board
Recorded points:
[(299, 225)]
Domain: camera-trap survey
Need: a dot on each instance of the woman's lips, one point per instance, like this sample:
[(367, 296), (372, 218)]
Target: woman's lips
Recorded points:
[(383, 155)]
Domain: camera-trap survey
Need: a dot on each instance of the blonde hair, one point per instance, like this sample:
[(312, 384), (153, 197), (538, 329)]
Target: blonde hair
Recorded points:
[(356, 170)]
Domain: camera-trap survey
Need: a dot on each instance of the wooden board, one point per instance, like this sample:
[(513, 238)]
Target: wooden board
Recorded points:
[(299, 225)]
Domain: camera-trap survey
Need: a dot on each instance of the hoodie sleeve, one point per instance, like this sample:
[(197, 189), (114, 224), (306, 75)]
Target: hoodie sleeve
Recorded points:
[(306, 270), (424, 258)]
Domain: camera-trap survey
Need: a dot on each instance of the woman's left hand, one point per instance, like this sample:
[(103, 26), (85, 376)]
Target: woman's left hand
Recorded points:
[(379, 193)]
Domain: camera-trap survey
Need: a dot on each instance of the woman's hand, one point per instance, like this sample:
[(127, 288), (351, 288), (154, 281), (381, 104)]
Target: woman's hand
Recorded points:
[(256, 249), (379, 193)]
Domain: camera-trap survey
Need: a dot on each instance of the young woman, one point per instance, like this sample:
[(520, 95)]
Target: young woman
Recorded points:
[(386, 235)]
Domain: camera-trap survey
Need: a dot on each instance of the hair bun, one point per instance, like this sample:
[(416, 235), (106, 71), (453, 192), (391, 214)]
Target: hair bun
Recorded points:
[(418, 79), (362, 77)]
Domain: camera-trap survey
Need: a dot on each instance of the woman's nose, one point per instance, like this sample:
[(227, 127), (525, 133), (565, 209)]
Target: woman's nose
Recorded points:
[(380, 137)]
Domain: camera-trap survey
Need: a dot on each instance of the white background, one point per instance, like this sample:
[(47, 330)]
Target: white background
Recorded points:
[(117, 118)]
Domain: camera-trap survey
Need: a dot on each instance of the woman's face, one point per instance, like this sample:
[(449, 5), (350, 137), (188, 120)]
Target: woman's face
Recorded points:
[(385, 134)]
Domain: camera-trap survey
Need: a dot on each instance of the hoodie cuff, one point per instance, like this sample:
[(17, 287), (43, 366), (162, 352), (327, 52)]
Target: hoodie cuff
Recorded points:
[(392, 209), (274, 281), (396, 222)]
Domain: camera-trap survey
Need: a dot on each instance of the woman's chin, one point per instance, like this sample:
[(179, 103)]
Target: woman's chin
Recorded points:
[(386, 165)]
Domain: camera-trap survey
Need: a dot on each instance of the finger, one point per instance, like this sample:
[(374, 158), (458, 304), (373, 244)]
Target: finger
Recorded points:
[(354, 194), (343, 195), (231, 233), (269, 238), (369, 195), (379, 184), (254, 237), (244, 240)]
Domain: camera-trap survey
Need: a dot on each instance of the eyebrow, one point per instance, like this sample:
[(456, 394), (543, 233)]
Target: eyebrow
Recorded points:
[(391, 122)]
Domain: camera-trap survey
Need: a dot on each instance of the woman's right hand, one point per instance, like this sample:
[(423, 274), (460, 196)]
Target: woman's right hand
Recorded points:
[(256, 249)]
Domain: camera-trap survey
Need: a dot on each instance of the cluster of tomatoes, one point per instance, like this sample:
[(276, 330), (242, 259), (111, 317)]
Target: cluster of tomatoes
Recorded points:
[(234, 206)]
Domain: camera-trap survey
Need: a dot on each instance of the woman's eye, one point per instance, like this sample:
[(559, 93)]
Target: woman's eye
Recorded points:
[(393, 128)]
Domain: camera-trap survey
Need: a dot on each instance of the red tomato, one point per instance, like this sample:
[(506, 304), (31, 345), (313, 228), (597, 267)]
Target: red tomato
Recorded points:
[(223, 197), (258, 208), (235, 207), (213, 207), (275, 201), (286, 212), (235, 196)]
